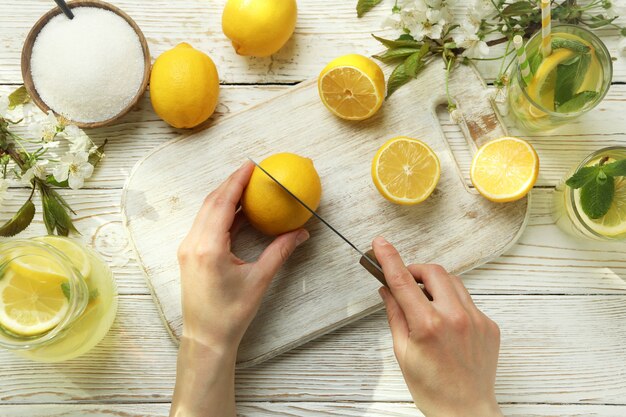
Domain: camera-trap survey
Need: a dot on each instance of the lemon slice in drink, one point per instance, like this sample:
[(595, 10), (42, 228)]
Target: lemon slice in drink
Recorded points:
[(613, 223), (30, 306), (74, 252), (352, 87), (405, 171), (505, 169)]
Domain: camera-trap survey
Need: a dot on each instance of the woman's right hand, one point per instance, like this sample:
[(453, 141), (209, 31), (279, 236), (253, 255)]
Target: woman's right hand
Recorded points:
[(447, 348)]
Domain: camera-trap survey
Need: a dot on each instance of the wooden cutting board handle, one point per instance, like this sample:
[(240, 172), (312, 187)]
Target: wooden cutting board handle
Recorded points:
[(371, 269)]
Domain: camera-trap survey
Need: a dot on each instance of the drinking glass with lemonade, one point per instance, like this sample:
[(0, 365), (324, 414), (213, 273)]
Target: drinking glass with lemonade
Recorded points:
[(590, 201), (58, 298), (569, 82)]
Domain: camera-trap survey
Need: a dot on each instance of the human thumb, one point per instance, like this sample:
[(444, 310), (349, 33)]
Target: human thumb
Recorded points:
[(277, 253)]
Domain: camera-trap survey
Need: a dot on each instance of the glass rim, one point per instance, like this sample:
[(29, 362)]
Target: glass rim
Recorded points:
[(77, 303), (523, 86), (572, 192)]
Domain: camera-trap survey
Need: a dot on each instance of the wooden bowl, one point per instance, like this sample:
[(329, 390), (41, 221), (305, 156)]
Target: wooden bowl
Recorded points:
[(28, 49)]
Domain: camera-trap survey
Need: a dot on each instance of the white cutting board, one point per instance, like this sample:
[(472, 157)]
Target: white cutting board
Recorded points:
[(323, 287)]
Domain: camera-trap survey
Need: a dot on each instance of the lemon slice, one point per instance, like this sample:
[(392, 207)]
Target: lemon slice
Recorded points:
[(505, 169), (29, 306), (541, 87), (405, 171), (352, 87), (36, 264), (74, 252), (613, 223)]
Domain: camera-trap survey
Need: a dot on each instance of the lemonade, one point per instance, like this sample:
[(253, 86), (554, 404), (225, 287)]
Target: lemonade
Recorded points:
[(569, 82), (58, 299), (568, 211)]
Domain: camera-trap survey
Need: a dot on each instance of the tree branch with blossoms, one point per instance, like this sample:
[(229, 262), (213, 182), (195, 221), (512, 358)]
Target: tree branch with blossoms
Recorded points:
[(428, 29), (34, 163)]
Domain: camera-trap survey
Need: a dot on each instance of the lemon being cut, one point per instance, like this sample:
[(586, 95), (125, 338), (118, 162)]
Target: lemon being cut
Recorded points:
[(352, 87), (30, 306), (505, 169), (405, 171), (268, 207), (76, 255), (184, 86), (259, 27)]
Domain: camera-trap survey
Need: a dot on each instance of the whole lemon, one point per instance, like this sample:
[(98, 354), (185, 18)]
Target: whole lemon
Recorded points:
[(268, 207), (259, 27), (184, 86)]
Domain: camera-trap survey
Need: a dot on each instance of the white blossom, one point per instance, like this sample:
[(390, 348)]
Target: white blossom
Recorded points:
[(74, 168), (78, 139), (45, 127), (13, 115), (467, 38), (421, 18), (4, 185), (38, 170)]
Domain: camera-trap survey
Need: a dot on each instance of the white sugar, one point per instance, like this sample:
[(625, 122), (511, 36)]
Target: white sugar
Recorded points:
[(87, 69)]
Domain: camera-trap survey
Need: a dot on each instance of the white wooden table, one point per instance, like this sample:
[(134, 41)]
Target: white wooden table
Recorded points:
[(561, 304)]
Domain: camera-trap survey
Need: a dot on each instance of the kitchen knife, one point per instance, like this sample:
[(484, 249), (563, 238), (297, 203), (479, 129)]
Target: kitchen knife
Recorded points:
[(368, 259)]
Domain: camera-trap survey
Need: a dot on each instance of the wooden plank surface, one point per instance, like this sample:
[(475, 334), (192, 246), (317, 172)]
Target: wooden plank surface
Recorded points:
[(160, 203), (555, 350), (302, 409)]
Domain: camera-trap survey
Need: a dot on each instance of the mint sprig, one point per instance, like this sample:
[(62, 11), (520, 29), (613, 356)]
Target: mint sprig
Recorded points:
[(597, 186)]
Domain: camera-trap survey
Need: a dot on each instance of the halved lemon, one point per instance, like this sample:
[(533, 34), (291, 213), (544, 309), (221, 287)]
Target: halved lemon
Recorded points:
[(505, 169), (30, 306), (405, 171), (74, 252), (352, 87), (613, 223)]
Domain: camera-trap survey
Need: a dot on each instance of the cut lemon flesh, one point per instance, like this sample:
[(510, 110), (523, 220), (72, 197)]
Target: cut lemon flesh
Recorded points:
[(405, 171), (29, 306), (505, 169), (613, 223), (74, 252), (352, 87)]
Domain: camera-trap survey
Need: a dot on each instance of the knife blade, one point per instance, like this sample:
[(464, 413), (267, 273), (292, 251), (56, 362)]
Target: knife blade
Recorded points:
[(368, 259)]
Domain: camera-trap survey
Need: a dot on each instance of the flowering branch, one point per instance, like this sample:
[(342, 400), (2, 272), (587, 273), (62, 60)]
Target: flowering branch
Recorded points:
[(35, 164)]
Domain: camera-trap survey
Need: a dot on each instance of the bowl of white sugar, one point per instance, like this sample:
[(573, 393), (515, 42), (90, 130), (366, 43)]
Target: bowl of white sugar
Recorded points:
[(90, 70)]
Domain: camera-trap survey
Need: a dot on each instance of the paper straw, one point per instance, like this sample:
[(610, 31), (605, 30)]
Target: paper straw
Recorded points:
[(546, 28), (522, 60)]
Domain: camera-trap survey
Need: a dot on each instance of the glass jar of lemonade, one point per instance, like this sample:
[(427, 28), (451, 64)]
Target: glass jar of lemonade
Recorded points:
[(569, 82), (58, 298), (567, 208)]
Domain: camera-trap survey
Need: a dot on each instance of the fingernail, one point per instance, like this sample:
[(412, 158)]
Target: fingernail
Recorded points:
[(380, 241), (302, 237)]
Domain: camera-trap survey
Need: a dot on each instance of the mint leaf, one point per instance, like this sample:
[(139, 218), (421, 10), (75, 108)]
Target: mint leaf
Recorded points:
[(534, 62), (19, 221), (397, 79), (615, 169), (65, 287), (403, 40), (596, 197), (569, 76), (577, 102), (93, 294), (396, 53), (364, 6), (582, 176), (18, 97), (573, 45)]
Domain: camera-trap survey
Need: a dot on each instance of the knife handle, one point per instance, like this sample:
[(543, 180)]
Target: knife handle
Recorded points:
[(371, 269)]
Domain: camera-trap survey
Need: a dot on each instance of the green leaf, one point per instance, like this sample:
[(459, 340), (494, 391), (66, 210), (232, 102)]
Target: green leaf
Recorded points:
[(364, 6), (598, 21), (396, 53), (615, 169), (571, 44), (397, 79), (596, 197), (19, 221), (93, 294), (65, 287), (414, 64), (569, 76), (583, 176), (55, 213), (18, 97), (577, 102), (404, 40), (518, 9), (534, 62)]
